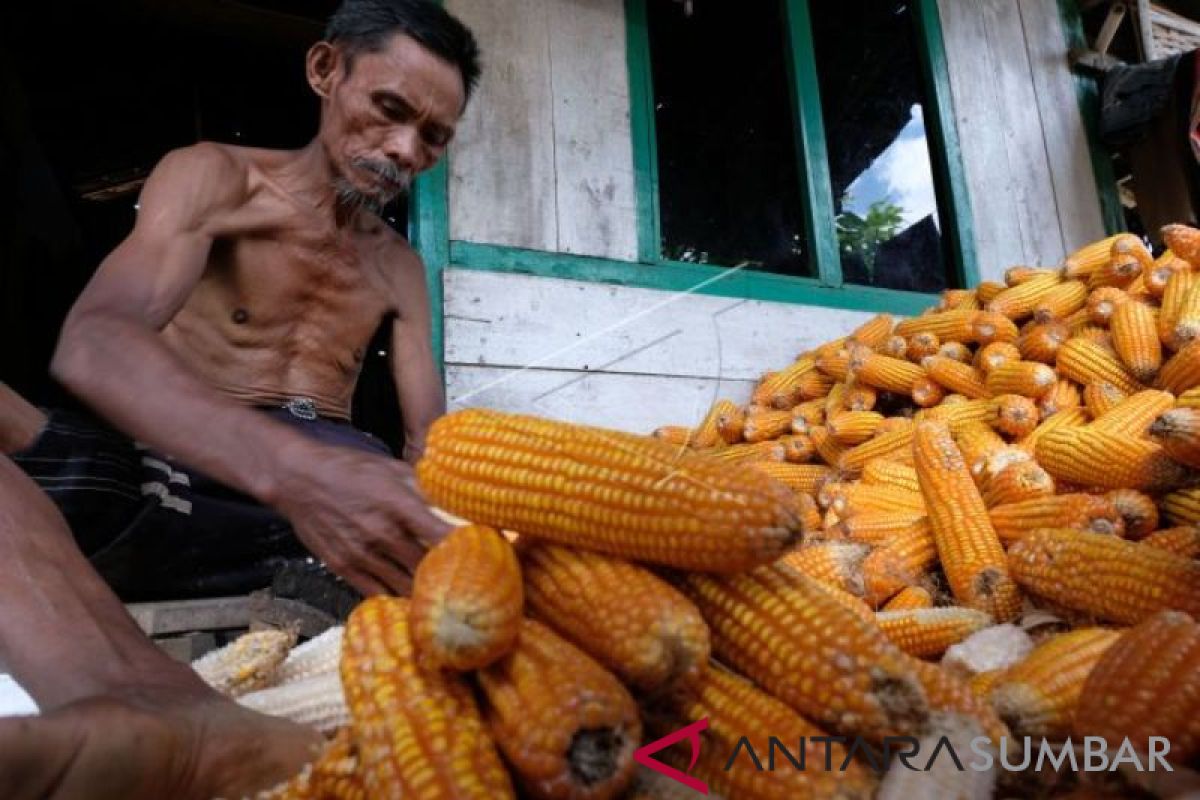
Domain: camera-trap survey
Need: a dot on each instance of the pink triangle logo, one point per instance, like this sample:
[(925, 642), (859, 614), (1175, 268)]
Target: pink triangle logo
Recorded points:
[(644, 755)]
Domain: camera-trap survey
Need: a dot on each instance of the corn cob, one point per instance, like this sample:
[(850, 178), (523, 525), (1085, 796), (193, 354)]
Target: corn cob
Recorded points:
[(332, 776), (749, 453), (567, 726), (248, 663), (854, 427), (1038, 696), (318, 656), (920, 345), (836, 564), (1138, 511), (1189, 399), (902, 561), (1134, 415), (1042, 342), (1085, 362), (1089, 258), (1026, 378), (891, 473), (964, 413), (417, 732), (317, 701), (620, 614), (467, 600), (708, 432), (986, 291), (828, 448), (1135, 338), (882, 372), (1063, 395), (797, 448), (874, 331), (1157, 276), (882, 527), (631, 497), (1021, 299), (1062, 301), (927, 632), (1105, 576), (1119, 272), (766, 425), (977, 442), (1181, 371), (1107, 460), (731, 420), (779, 389), (674, 434), (927, 392), (1187, 319), (1100, 397), (956, 351), (1181, 507), (1017, 416), (967, 545), (860, 398), (956, 376), (884, 445), (799, 477), (735, 708), (1084, 512), (849, 499), (1020, 274), (813, 386), (868, 686), (895, 346), (1184, 241), (1127, 244), (807, 416), (1183, 540), (909, 598), (1179, 287), (1146, 685), (1017, 483), (835, 364), (1178, 431), (952, 299), (947, 326), (982, 682), (810, 514), (833, 401)]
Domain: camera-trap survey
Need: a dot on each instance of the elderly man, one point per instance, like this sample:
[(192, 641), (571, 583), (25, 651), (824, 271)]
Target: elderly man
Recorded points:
[(224, 336)]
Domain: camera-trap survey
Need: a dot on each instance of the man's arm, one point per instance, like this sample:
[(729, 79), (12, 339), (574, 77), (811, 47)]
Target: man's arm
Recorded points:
[(418, 381)]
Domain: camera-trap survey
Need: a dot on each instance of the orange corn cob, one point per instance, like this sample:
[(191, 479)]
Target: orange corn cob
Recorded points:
[(986, 291), (624, 616), (1042, 342), (1020, 300), (1178, 431), (565, 724), (708, 432), (1147, 684), (1017, 415), (874, 331), (981, 683), (1089, 258), (1135, 338), (927, 632), (1084, 512), (860, 398), (988, 357), (810, 514), (1138, 511), (810, 413), (977, 441), (925, 343), (963, 413), (836, 564), (1157, 276), (1184, 241), (833, 401), (812, 386), (854, 427), (797, 448), (891, 473), (748, 453), (417, 732), (1128, 244), (927, 392), (766, 425), (884, 527), (1062, 396), (883, 372), (674, 434), (731, 420), (467, 600), (895, 346), (1026, 378), (835, 364), (1134, 415), (1187, 318), (857, 498), (1097, 336), (1107, 460), (1189, 399), (1017, 483), (804, 478), (956, 376), (1072, 416), (1179, 286), (828, 448), (1100, 397), (1181, 507), (1104, 576), (910, 597), (1061, 301), (1181, 371), (1020, 275), (894, 425), (902, 561), (952, 299), (884, 445), (1182, 540), (869, 688), (1120, 272), (967, 545), (948, 326), (1085, 362), (956, 351), (736, 710), (628, 496), (1038, 695), (781, 389), (988, 327)]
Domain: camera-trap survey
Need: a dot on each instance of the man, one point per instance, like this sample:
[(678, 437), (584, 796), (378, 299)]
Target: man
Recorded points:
[(227, 332)]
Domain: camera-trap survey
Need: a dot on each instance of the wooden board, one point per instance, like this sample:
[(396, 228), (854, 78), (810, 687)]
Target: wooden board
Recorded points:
[(509, 320), (502, 181)]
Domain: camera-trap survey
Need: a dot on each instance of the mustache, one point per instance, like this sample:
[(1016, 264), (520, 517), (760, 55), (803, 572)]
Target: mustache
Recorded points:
[(386, 170)]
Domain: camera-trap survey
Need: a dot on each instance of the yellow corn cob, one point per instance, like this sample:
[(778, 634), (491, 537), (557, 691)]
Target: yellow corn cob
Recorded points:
[(780, 389), (988, 357), (1073, 416), (947, 326), (836, 564), (1128, 244), (952, 299), (856, 498), (813, 386), (883, 372), (1107, 460), (417, 732), (891, 473), (927, 392), (927, 632), (1138, 511), (777, 628), (1183, 540), (988, 327), (566, 725), (731, 421), (895, 346), (317, 701), (1084, 512), (799, 477), (1100, 397), (1187, 318), (1135, 338), (1062, 396), (881, 527), (1017, 416), (620, 614), (1085, 362), (902, 560), (1118, 272), (797, 448), (1159, 274), (1061, 301), (747, 453), (1147, 684), (925, 343), (967, 545), (766, 425), (1087, 259), (860, 398), (1038, 695), (982, 682), (248, 663), (467, 600), (884, 445), (708, 432), (1189, 399), (835, 364), (1181, 507), (1184, 241), (986, 291), (1041, 343), (854, 427), (967, 412), (956, 351), (1026, 378), (1020, 300), (332, 776), (1017, 483), (808, 414), (1134, 415), (738, 711), (976, 442), (1104, 576), (910, 598), (810, 514), (956, 376), (874, 331), (894, 425), (1181, 371), (674, 434), (1179, 287), (1019, 275), (1178, 431), (628, 496), (833, 401), (828, 448)]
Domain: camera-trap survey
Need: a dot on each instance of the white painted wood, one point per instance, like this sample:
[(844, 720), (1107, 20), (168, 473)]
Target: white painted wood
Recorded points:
[(636, 403), (502, 181), (14, 701), (1071, 174), (508, 320), (593, 144)]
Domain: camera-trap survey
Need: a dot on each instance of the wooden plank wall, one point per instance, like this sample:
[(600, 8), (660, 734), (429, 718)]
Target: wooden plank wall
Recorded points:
[(544, 159), (1025, 149)]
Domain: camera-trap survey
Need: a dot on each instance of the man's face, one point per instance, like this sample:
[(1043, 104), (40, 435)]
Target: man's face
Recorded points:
[(390, 119)]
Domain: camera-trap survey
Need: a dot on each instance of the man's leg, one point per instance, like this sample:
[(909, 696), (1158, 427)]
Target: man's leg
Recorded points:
[(111, 696), (20, 421)]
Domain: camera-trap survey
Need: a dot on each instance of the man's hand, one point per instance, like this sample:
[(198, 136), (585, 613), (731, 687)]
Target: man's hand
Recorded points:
[(361, 514)]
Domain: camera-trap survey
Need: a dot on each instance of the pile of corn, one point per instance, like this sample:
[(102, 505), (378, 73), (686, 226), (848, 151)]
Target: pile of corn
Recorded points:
[(982, 519)]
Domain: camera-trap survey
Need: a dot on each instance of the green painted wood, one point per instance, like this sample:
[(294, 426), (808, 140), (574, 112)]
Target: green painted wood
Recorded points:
[(812, 155), (948, 169), (1089, 105), (429, 234), (641, 122), (682, 277)]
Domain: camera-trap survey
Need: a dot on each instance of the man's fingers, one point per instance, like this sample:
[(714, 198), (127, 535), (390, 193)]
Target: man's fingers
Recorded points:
[(387, 572), (365, 584)]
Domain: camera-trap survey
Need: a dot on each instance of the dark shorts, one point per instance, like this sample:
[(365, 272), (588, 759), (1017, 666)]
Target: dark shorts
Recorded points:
[(157, 529)]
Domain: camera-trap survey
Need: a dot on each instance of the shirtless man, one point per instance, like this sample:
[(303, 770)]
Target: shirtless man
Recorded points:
[(228, 331)]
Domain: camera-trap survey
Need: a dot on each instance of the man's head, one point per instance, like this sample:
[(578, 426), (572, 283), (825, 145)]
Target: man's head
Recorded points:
[(394, 77)]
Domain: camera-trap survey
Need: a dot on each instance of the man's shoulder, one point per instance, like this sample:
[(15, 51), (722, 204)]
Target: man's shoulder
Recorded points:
[(213, 173)]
